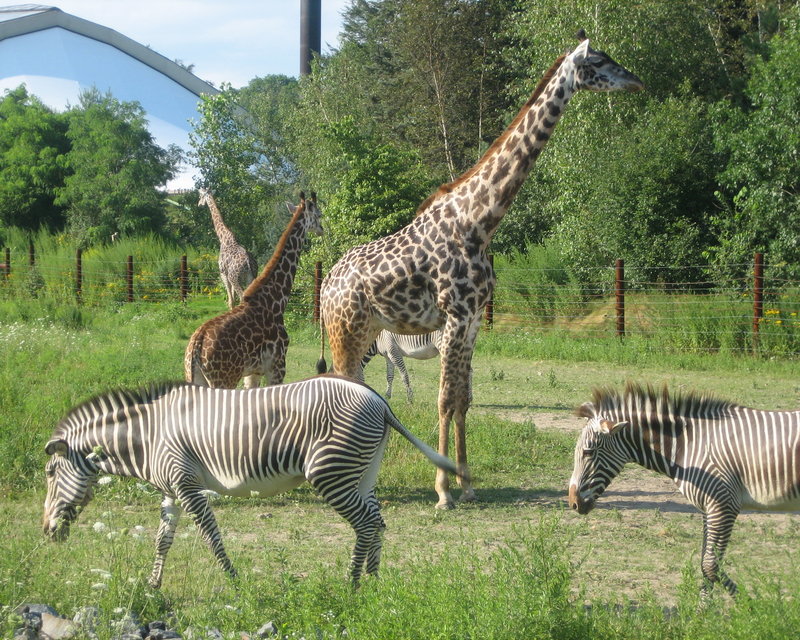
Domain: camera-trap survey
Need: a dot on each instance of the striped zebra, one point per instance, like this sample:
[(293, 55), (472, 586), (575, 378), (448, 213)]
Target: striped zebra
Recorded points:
[(395, 346), (186, 439), (722, 457)]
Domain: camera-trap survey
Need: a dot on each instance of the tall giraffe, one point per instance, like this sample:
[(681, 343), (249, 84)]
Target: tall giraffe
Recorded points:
[(250, 340), (237, 266), (434, 272)]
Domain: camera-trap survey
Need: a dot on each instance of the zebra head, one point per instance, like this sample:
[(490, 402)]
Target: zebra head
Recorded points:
[(70, 478), (599, 457)]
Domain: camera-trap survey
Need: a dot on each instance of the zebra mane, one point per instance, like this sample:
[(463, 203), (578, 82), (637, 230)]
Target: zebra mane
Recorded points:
[(117, 399), (647, 400)]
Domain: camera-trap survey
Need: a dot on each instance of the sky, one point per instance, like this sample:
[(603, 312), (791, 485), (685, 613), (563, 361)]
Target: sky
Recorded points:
[(227, 41)]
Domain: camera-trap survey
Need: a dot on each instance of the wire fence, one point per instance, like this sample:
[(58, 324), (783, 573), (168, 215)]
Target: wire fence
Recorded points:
[(755, 313)]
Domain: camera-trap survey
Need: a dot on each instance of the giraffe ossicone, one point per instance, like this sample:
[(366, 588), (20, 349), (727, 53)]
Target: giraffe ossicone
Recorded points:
[(250, 340), (434, 272)]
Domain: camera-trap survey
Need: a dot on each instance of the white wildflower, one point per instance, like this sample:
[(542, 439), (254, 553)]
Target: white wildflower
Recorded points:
[(101, 573), (112, 534), (105, 480), (209, 493), (99, 527), (99, 586), (255, 494)]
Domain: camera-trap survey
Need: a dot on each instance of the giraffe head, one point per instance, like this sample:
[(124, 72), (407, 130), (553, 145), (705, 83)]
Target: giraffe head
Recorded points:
[(205, 196), (596, 71), (313, 213)]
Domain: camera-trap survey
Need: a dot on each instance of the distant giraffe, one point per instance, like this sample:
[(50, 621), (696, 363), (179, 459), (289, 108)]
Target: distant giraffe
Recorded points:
[(434, 272), (250, 340), (237, 266)]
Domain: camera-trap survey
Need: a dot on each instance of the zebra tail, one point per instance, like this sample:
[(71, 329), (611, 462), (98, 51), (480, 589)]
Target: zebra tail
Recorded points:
[(322, 366), (443, 462)]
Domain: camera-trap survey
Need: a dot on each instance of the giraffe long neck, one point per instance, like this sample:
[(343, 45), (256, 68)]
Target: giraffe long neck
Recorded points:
[(224, 234), (480, 198), (273, 286)]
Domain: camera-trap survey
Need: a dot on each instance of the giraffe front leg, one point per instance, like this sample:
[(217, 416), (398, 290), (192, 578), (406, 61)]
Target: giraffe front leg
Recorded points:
[(460, 437), (442, 484), (170, 513)]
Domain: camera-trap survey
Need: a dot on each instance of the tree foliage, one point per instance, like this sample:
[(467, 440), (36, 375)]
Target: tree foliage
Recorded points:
[(33, 143), (113, 168), (760, 186)]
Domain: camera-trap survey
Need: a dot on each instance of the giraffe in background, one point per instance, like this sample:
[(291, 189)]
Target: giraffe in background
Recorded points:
[(250, 340), (237, 266), (434, 272)]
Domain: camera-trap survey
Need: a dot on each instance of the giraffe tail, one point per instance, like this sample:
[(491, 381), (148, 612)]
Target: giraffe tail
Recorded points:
[(322, 366), (192, 365)]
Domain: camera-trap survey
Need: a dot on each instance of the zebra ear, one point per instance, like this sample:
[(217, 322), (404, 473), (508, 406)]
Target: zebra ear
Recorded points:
[(56, 446), (608, 427)]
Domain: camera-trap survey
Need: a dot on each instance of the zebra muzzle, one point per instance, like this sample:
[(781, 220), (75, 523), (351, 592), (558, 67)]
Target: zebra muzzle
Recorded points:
[(577, 503)]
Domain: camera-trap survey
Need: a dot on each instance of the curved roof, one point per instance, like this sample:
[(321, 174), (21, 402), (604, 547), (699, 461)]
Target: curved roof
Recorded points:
[(58, 55), (28, 18)]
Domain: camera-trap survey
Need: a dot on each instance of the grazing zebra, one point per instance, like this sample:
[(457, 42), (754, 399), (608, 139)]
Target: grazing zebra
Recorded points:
[(393, 346), (186, 439), (723, 457)]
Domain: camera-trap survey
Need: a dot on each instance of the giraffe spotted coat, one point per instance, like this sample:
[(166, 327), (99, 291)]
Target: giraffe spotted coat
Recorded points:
[(237, 266), (434, 273), (250, 340)]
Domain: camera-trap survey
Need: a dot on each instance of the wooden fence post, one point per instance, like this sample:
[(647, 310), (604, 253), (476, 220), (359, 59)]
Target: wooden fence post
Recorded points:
[(184, 279), (79, 276), (758, 297), (317, 290), (619, 292), (490, 303), (129, 278)]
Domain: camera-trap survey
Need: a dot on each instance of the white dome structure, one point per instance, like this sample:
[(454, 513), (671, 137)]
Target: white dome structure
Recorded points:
[(57, 56)]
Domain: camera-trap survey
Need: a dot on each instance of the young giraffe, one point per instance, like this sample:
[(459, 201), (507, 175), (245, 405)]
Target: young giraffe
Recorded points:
[(434, 272), (250, 340), (237, 266)]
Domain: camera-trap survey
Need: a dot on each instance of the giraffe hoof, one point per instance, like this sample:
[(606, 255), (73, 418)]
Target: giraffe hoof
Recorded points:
[(468, 495), (445, 504)]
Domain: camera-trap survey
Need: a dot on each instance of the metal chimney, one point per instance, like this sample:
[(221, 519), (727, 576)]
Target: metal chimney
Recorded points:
[(310, 33)]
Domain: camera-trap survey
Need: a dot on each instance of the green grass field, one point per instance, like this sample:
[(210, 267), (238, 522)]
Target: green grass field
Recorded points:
[(516, 564)]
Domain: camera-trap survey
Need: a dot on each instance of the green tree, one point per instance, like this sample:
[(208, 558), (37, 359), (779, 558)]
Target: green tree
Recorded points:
[(33, 142), (760, 185), (379, 187), (114, 168), (243, 157)]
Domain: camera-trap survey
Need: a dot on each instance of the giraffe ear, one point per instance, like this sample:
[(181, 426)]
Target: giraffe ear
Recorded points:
[(581, 51)]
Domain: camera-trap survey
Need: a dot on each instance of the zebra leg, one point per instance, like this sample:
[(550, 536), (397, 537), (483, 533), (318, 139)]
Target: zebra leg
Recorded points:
[(389, 377), (374, 552), (363, 515), (717, 528), (198, 508), (170, 513)]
